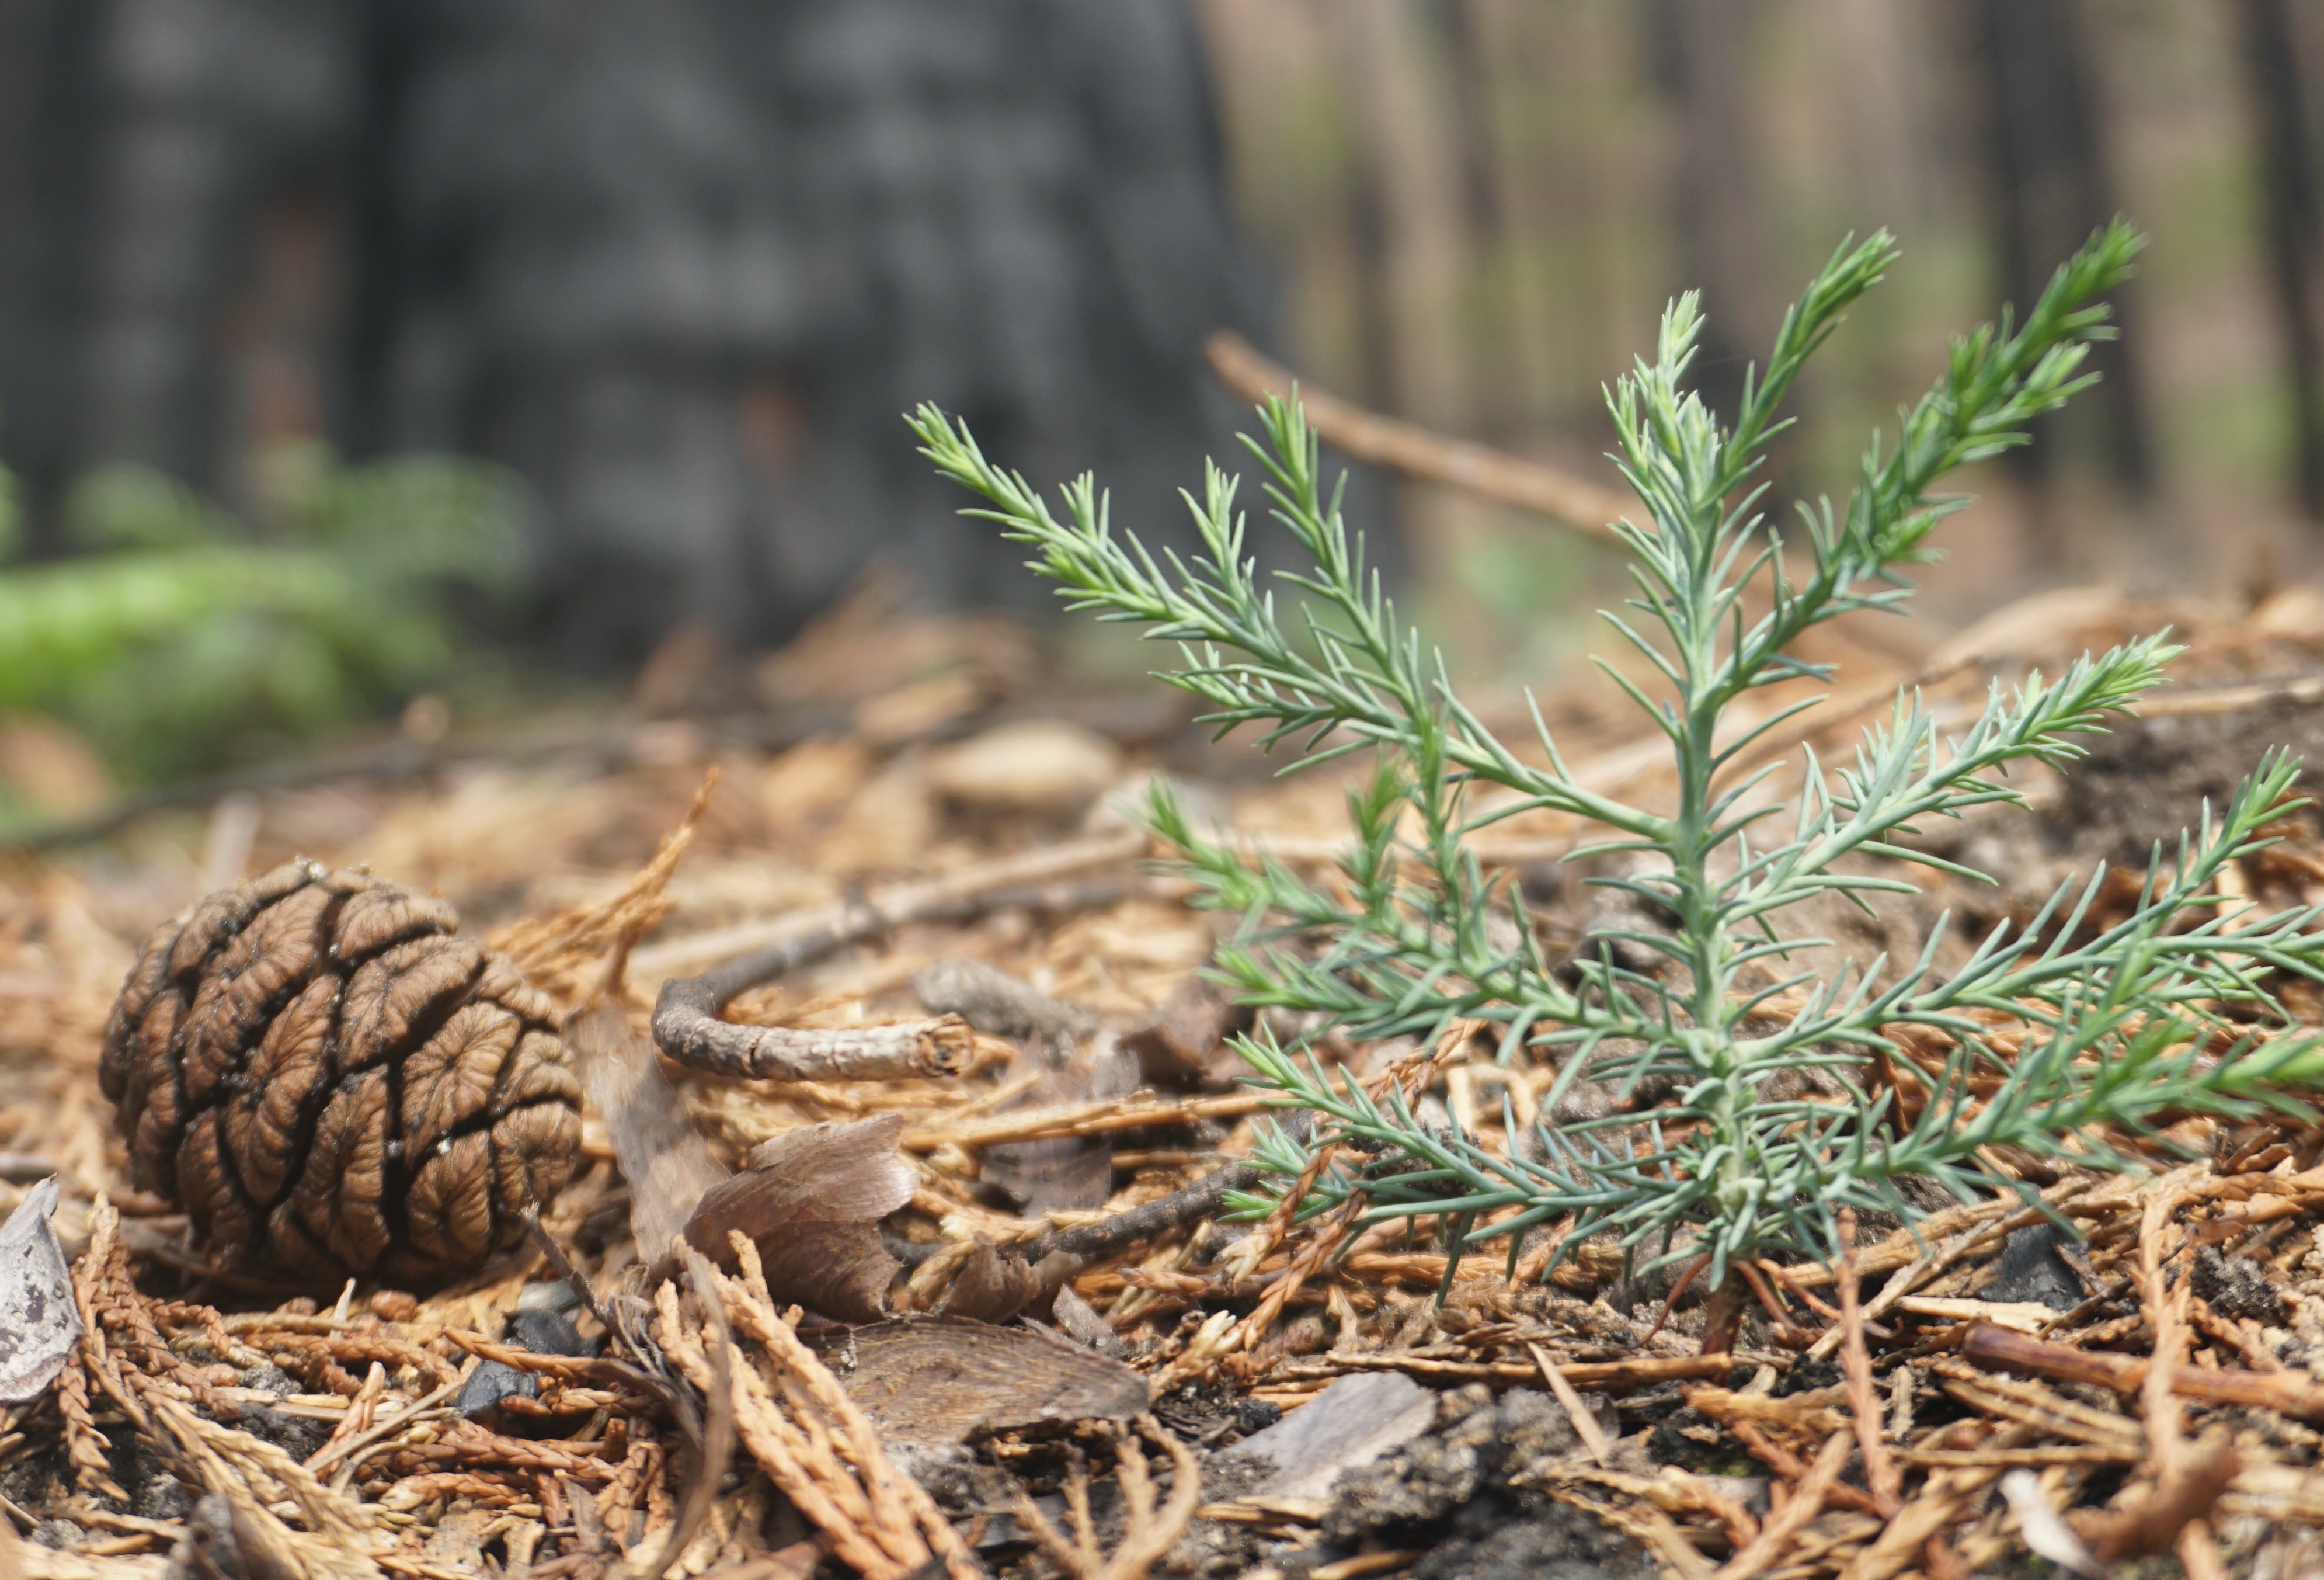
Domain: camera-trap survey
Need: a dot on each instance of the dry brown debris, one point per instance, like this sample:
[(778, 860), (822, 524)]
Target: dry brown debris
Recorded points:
[(804, 1431), (2163, 1390)]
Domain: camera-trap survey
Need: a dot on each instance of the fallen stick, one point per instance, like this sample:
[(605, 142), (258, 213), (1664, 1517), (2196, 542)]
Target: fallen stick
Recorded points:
[(1996, 1349), (687, 1029), (1189, 1204), (1091, 1116), (1645, 1372)]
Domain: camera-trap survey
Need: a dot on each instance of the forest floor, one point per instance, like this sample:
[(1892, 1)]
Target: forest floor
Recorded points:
[(1267, 1398)]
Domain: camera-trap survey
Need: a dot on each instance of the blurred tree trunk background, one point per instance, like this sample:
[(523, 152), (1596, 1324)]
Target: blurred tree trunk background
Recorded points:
[(2284, 127), (682, 263), (2050, 183)]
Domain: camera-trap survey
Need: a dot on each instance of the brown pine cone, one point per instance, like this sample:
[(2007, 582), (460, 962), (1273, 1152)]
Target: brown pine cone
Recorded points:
[(330, 1082)]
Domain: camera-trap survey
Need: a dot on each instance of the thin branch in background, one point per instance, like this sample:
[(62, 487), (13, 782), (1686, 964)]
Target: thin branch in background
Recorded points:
[(1417, 452)]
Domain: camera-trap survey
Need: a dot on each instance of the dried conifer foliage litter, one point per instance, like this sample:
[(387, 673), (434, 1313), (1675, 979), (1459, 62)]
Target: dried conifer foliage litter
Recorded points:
[(326, 1078)]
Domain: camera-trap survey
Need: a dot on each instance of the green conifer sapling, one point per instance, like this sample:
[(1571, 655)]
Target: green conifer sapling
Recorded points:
[(2118, 1026)]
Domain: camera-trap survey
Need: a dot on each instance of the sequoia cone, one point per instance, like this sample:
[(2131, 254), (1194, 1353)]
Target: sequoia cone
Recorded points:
[(330, 1082)]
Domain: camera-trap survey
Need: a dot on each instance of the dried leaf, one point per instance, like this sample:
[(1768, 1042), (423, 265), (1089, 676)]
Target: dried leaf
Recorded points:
[(1069, 1174), (936, 1379), (1080, 1322), (39, 1322), (1185, 1044), (994, 1288), (667, 1163), (811, 1201)]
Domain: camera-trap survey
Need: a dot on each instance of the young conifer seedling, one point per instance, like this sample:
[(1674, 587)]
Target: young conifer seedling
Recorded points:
[(2111, 1028)]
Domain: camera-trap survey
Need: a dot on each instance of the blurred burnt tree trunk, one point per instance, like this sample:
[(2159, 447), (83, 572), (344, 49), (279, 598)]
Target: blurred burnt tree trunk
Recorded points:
[(2049, 181), (46, 51), (1496, 377), (681, 263), (1701, 54), (2291, 222), (166, 164)]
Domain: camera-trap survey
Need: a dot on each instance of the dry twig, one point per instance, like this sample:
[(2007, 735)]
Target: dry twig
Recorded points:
[(1996, 1349), (2187, 1482), (1569, 1399), (1147, 1535), (1806, 1502), (1188, 1205), (1879, 1469)]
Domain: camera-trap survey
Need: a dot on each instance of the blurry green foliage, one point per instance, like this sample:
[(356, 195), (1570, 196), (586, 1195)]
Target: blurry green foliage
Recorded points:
[(184, 638)]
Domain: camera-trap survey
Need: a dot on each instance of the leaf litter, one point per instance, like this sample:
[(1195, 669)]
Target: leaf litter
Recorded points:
[(893, 1327)]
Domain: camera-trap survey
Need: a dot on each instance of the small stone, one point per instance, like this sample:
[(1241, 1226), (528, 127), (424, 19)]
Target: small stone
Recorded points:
[(1043, 766), (2033, 1269), (2239, 1286), (548, 1333), (1348, 1425), (58, 1535), (548, 1294), (1468, 1494), (164, 1497), (490, 1383), (297, 1435)]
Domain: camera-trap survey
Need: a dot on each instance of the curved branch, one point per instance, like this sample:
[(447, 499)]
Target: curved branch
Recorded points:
[(688, 1030)]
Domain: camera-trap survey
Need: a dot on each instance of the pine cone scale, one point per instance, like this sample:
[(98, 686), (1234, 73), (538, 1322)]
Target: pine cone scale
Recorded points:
[(377, 920), (257, 972), (206, 1189), (292, 1065), (339, 1202)]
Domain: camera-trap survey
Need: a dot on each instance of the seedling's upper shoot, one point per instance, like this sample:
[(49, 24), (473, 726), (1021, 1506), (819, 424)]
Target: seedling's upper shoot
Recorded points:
[(1410, 938)]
